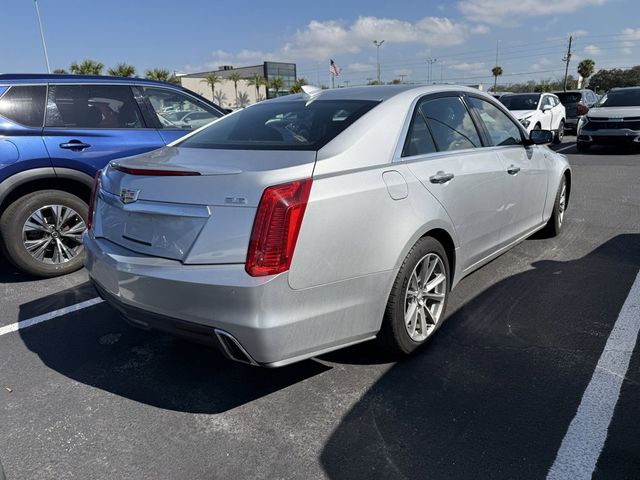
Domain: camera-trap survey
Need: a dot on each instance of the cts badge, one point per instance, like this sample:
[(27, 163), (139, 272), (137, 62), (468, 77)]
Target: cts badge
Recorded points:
[(128, 196)]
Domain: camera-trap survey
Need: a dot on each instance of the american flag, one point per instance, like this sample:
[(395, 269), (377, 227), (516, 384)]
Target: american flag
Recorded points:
[(334, 69)]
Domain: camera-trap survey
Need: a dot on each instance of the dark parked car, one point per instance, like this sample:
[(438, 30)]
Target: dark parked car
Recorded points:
[(56, 132), (576, 103)]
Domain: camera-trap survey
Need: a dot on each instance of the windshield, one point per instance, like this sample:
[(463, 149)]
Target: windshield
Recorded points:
[(527, 101), (621, 98), (569, 97), (284, 125)]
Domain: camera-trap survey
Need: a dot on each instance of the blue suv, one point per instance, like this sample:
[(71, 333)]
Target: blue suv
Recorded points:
[(56, 132)]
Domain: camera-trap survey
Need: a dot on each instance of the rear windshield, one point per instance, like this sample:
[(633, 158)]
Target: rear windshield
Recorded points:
[(285, 125), (569, 97), (621, 98), (521, 102)]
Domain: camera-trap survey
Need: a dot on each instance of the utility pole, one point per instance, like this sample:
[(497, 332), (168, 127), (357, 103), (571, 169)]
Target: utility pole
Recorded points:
[(567, 59), (430, 62), (378, 44), (44, 45)]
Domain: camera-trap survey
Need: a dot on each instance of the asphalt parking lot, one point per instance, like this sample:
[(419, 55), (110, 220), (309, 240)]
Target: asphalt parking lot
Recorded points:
[(85, 396)]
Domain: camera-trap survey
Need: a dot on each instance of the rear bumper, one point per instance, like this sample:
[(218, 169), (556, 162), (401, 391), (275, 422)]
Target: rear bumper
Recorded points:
[(221, 305)]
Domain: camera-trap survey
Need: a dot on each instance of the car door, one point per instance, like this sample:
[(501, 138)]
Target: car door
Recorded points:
[(546, 106), (524, 169), (443, 150), (175, 113), (88, 125)]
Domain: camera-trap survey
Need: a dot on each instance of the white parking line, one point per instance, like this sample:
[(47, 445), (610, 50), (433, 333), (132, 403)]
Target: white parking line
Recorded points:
[(565, 148), (14, 327), (583, 442)]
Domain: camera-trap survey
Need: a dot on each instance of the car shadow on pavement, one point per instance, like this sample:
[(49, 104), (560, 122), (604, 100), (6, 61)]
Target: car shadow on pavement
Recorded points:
[(493, 393), (10, 274), (96, 347)]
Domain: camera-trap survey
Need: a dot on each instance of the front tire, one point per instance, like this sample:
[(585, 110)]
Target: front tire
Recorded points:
[(559, 133), (418, 299), (555, 223), (42, 233)]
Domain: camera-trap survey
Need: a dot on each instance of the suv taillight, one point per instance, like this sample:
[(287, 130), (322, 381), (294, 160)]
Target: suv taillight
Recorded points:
[(92, 199), (582, 110), (276, 228)]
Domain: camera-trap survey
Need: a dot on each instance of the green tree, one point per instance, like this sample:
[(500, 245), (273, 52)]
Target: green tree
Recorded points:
[(87, 67), (297, 86), (122, 70), (235, 77), (374, 82), (496, 72), (276, 85), (60, 71), (586, 68), (161, 74), (212, 79), (257, 81), (616, 77)]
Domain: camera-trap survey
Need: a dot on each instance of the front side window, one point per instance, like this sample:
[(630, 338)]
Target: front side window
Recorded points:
[(502, 130), (175, 110), (546, 100), (450, 123), (24, 105), (286, 125), (92, 106)]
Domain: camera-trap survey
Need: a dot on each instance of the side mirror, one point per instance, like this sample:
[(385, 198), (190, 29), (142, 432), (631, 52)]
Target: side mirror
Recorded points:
[(546, 108), (540, 137)]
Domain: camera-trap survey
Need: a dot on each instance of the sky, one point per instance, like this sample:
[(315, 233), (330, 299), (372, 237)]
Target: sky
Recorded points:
[(461, 37)]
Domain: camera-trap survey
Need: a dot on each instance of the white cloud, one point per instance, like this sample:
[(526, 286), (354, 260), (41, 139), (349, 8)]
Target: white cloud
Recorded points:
[(579, 33), (361, 67), (631, 33), (405, 72), (626, 51), (543, 64), (497, 11), (466, 67), (592, 50)]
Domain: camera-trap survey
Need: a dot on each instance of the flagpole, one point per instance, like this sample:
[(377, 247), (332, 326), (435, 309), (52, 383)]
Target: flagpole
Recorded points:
[(44, 45)]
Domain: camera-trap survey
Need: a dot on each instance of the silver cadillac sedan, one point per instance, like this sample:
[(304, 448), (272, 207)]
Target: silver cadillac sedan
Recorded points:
[(315, 221)]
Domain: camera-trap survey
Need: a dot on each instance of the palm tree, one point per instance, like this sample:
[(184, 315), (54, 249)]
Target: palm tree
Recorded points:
[(87, 67), (60, 71), (257, 80), (220, 97), (122, 70), (235, 77), (297, 87), (586, 68), (161, 74), (496, 72), (276, 84), (211, 79), (242, 100)]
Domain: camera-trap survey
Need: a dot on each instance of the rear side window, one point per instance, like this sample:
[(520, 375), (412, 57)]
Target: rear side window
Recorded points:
[(283, 125), (450, 123), (24, 105), (419, 140), (570, 97), (92, 106)]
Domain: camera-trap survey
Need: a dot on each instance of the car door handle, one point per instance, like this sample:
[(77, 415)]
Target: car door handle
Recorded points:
[(512, 170), (441, 177), (74, 145)]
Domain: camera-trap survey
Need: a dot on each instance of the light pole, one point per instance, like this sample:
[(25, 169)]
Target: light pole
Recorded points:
[(378, 44), (430, 61), (44, 45)]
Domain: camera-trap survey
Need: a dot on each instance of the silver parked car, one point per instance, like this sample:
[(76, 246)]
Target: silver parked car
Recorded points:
[(310, 222)]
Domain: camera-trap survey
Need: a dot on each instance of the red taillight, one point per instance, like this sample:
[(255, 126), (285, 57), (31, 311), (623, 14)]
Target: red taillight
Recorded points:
[(92, 199), (582, 110), (276, 228), (154, 173)]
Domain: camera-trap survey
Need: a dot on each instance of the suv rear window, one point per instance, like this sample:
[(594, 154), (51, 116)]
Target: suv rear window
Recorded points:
[(569, 97), (282, 125), (24, 105)]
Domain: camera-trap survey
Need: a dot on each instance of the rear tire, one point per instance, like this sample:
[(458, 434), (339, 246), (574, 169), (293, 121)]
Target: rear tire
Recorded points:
[(418, 298), (42, 233), (557, 138), (555, 223)]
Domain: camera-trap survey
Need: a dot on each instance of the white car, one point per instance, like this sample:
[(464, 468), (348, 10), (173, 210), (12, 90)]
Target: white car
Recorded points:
[(538, 111)]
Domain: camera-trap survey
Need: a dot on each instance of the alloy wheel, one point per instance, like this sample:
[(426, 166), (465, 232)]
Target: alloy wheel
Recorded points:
[(562, 203)]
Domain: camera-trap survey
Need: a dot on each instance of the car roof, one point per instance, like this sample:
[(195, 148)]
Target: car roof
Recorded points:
[(376, 92), (16, 78), (617, 89)]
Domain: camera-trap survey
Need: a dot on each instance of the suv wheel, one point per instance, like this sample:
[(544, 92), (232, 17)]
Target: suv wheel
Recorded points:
[(559, 133), (42, 232)]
